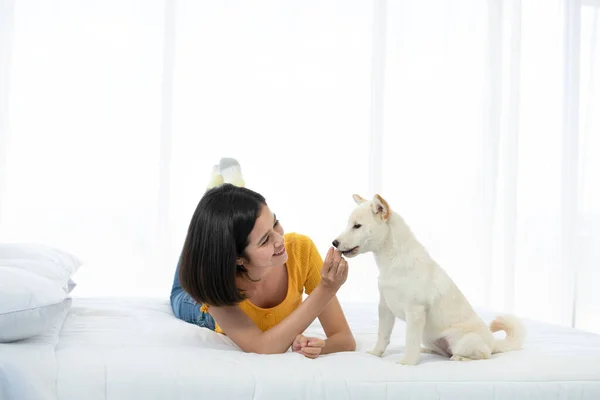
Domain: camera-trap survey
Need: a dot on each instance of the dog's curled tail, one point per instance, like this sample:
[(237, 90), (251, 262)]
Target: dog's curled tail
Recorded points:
[(515, 333)]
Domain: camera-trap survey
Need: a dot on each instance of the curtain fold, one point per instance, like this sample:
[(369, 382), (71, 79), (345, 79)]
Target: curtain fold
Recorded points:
[(6, 45)]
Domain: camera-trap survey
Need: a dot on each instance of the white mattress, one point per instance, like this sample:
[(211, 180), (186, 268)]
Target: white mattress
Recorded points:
[(119, 349)]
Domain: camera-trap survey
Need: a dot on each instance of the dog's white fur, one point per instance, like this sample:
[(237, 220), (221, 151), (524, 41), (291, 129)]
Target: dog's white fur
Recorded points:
[(414, 288)]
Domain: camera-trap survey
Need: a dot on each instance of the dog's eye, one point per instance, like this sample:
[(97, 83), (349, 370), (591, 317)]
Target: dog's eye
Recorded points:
[(356, 226)]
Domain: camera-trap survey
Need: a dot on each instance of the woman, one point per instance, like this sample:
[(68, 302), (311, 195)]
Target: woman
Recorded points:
[(249, 277)]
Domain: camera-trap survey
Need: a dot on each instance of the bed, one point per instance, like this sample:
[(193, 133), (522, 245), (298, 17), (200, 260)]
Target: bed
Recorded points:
[(119, 349)]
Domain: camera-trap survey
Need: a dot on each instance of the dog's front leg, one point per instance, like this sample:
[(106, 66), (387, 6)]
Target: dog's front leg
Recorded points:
[(386, 325), (415, 323)]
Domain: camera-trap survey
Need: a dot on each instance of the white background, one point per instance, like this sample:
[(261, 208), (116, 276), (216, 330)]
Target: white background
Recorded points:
[(478, 122)]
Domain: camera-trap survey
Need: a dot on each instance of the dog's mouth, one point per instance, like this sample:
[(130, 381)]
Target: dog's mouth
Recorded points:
[(352, 252)]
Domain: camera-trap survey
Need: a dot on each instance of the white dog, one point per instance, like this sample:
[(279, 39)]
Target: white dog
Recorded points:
[(414, 288)]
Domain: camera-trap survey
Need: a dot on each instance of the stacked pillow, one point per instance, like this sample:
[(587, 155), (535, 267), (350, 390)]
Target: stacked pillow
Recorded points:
[(35, 283)]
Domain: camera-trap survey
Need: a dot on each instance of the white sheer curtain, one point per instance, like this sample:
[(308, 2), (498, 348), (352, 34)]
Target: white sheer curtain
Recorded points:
[(477, 120), (492, 145)]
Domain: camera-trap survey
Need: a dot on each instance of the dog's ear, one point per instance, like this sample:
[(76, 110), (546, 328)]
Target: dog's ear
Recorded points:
[(381, 207), (358, 199)]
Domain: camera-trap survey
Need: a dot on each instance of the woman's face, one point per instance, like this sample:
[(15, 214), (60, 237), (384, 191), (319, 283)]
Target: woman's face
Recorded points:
[(266, 244)]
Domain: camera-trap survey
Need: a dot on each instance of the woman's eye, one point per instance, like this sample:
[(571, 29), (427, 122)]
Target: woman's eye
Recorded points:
[(356, 226)]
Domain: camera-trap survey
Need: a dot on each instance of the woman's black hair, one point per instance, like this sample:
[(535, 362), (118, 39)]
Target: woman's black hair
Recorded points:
[(217, 236)]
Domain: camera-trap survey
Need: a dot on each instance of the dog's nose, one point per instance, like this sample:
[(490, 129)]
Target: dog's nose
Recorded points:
[(335, 243)]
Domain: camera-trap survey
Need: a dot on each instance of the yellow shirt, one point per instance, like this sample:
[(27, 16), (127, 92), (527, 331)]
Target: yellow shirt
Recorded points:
[(304, 274)]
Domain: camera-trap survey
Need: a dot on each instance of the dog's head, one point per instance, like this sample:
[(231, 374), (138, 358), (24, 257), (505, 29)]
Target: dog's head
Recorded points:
[(367, 227)]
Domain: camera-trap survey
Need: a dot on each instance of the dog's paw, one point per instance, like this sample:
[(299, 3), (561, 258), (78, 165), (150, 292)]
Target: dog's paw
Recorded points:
[(409, 360), (376, 352), (459, 358)]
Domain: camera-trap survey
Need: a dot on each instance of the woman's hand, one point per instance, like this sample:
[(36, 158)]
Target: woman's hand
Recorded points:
[(334, 271), (308, 346), (244, 332)]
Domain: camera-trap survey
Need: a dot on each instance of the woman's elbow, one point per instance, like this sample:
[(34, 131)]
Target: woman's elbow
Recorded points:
[(350, 342), (346, 342)]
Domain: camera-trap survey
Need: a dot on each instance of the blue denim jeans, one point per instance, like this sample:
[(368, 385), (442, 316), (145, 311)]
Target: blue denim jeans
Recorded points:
[(186, 309)]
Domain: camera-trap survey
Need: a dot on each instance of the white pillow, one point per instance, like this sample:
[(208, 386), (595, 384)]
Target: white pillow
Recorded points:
[(71, 285), (35, 282), (43, 260), (29, 304)]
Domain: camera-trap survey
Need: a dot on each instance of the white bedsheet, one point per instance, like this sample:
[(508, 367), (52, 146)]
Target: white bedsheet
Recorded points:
[(119, 349), (28, 368)]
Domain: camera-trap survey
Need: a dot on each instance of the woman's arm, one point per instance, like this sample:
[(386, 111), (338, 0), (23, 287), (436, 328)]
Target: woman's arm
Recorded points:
[(242, 330), (339, 336)]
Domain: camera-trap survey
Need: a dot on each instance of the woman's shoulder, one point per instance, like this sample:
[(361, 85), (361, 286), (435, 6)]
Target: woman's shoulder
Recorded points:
[(298, 240), (299, 244)]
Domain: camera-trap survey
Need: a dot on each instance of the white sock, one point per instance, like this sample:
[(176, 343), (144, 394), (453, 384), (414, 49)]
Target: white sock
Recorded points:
[(215, 178), (231, 172)]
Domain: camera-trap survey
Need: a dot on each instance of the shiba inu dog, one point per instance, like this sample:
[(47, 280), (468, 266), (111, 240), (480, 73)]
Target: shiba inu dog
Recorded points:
[(414, 288)]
